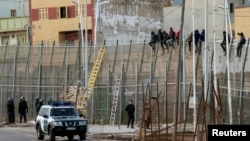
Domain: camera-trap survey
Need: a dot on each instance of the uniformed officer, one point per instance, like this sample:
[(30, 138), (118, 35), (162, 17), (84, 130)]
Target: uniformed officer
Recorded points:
[(23, 109), (39, 105), (37, 99), (10, 110)]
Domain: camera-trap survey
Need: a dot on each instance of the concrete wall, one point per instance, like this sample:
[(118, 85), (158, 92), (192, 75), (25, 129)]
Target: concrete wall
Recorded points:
[(128, 21), (172, 18), (216, 25)]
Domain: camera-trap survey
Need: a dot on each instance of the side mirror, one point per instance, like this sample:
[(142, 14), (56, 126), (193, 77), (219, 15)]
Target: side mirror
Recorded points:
[(81, 115), (45, 116)]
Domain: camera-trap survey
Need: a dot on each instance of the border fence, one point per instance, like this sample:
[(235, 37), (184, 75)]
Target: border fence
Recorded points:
[(48, 72)]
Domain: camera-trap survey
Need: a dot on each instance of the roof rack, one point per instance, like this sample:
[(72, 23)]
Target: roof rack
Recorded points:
[(61, 103)]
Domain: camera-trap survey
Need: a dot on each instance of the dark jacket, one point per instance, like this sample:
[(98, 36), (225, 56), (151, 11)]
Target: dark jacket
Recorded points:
[(154, 37), (23, 107), (130, 109), (39, 105), (196, 36), (160, 35), (242, 39), (202, 36), (10, 106), (171, 34), (36, 103), (224, 38)]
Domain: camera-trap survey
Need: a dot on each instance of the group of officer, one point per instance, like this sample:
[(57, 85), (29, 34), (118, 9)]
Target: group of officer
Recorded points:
[(22, 109)]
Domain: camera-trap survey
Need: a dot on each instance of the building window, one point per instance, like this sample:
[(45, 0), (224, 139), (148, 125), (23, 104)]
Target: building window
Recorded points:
[(13, 13), (22, 38), (5, 40), (62, 12), (231, 8), (43, 14), (243, 2), (81, 7)]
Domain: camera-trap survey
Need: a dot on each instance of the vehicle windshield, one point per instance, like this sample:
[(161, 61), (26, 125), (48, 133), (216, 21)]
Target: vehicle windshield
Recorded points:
[(63, 112)]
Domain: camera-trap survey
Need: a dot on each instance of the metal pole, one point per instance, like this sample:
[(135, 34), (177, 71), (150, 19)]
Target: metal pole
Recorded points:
[(2, 73), (179, 68), (96, 20), (184, 73), (66, 67), (214, 56), (86, 57), (27, 32), (206, 91), (194, 72), (80, 18), (136, 92), (228, 69), (242, 79), (14, 75), (39, 69), (231, 35)]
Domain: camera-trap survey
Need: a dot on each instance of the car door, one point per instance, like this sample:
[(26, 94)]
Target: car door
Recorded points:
[(45, 120), (41, 118)]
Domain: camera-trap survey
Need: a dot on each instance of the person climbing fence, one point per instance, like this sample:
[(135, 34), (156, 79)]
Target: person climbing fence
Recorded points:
[(241, 43)]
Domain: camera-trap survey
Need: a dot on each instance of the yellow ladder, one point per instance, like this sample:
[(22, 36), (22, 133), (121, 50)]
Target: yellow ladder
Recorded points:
[(93, 76), (95, 70)]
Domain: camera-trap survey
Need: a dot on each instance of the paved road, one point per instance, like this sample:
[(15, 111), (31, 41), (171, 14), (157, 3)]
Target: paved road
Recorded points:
[(16, 134), (96, 133), (24, 134)]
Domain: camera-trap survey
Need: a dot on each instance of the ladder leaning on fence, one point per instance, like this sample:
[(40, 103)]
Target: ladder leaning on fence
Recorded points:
[(92, 79), (115, 100)]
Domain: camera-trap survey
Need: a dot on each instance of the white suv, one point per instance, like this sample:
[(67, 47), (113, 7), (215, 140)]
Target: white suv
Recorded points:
[(60, 119)]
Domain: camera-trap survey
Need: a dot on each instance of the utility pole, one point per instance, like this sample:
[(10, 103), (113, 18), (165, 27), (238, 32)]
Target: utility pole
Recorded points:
[(86, 58), (179, 73), (206, 91)]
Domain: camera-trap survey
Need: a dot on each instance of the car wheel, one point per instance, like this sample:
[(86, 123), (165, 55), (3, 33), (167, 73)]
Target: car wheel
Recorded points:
[(83, 136), (70, 137), (39, 134), (51, 135)]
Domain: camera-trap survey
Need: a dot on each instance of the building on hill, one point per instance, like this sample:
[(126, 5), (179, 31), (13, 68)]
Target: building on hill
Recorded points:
[(241, 17), (13, 30), (59, 21)]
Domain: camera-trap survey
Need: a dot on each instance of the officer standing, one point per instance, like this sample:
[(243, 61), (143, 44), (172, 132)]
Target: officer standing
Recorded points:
[(130, 108), (23, 109), (37, 99), (10, 110), (39, 105)]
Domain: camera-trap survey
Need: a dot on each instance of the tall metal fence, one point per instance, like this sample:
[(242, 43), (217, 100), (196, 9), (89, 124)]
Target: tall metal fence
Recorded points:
[(49, 71)]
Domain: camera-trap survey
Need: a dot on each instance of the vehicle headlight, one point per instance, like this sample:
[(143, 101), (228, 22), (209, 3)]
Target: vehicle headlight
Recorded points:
[(82, 122), (57, 123)]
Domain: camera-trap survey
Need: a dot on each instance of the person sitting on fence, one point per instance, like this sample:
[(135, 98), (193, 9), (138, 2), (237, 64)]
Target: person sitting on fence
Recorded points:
[(240, 44), (153, 41), (171, 38)]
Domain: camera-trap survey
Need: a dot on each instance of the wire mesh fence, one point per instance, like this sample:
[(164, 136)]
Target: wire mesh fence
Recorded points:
[(49, 71)]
